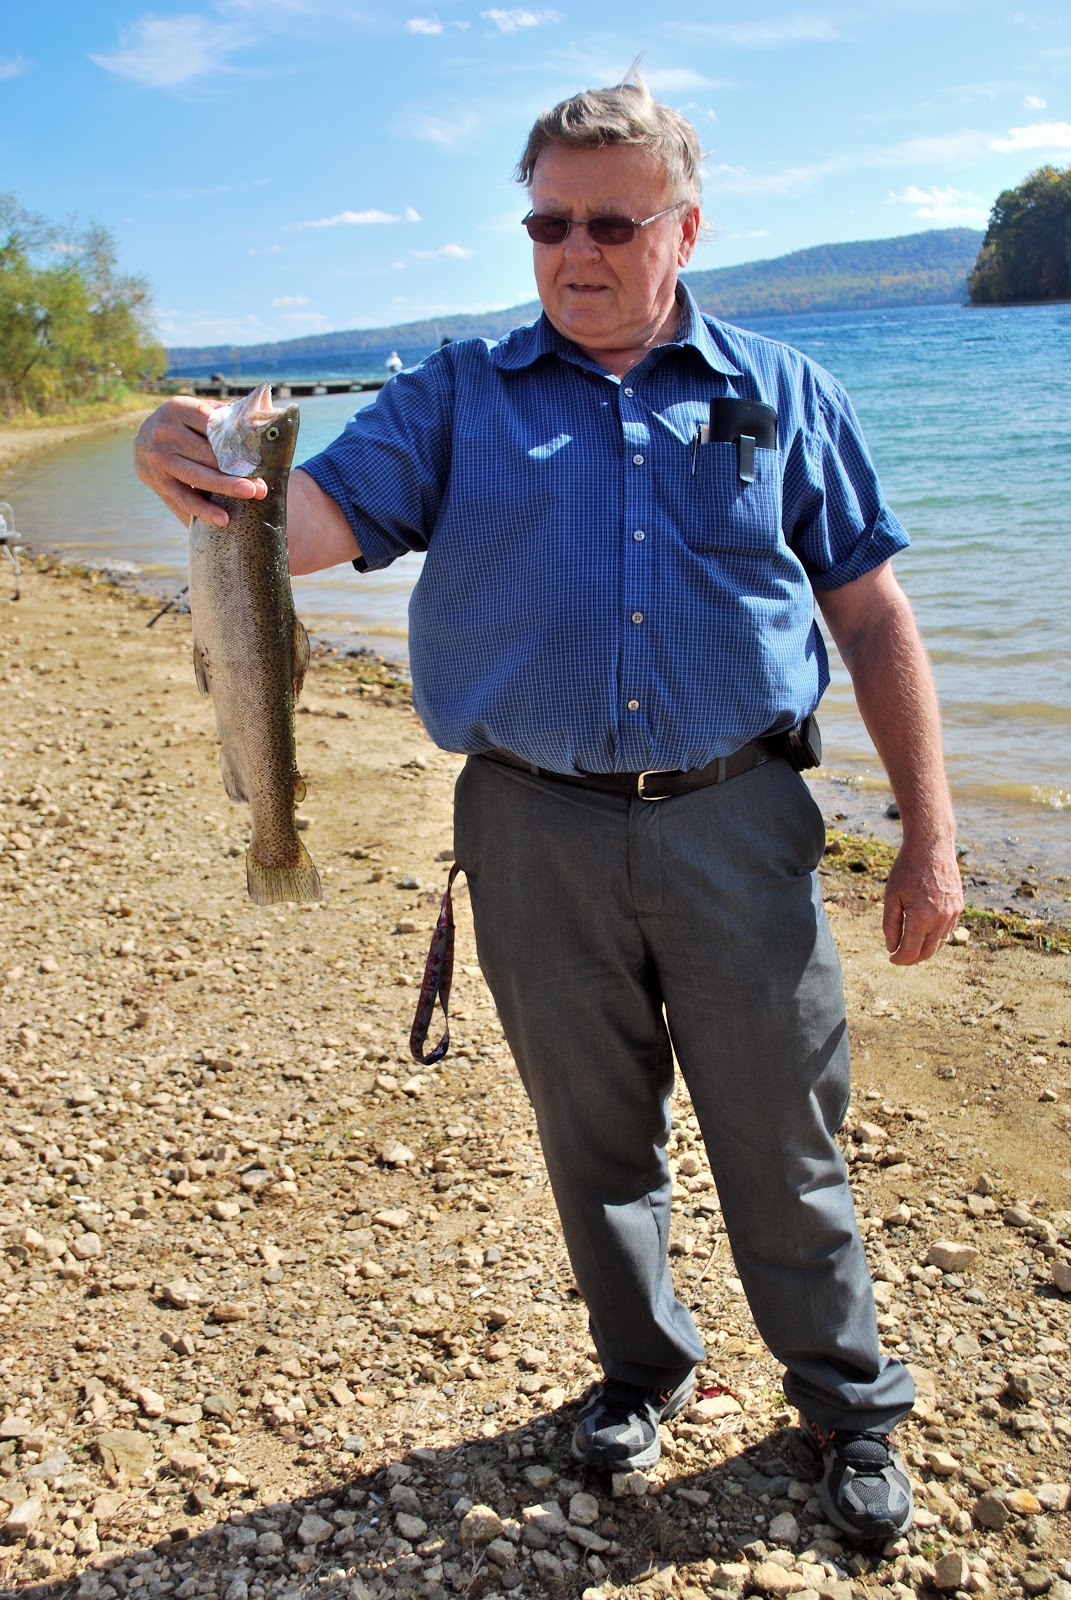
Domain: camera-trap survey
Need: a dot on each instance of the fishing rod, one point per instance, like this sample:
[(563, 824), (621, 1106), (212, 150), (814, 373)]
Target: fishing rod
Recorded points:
[(175, 598)]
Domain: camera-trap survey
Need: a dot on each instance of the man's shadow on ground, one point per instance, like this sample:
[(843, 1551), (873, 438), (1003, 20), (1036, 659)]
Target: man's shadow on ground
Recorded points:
[(403, 1522)]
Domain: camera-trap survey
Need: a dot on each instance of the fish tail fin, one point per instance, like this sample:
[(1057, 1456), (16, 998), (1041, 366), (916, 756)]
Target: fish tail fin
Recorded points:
[(270, 885)]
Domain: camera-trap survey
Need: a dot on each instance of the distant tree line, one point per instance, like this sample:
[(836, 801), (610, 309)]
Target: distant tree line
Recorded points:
[(1026, 252), (73, 329)]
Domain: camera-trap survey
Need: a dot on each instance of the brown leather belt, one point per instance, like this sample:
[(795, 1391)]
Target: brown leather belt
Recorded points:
[(652, 785)]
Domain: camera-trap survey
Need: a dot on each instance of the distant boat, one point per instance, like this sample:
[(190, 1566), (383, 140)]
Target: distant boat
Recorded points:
[(394, 363)]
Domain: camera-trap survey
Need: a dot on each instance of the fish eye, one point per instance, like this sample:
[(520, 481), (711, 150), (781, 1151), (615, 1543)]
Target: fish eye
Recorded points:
[(272, 432)]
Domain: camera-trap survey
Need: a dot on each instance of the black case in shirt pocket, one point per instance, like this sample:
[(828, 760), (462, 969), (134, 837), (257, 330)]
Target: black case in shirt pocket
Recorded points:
[(730, 418)]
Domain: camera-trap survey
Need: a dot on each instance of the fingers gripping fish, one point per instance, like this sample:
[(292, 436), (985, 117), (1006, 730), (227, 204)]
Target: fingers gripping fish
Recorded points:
[(250, 650)]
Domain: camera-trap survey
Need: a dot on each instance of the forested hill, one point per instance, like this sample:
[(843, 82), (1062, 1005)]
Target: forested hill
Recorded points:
[(916, 269)]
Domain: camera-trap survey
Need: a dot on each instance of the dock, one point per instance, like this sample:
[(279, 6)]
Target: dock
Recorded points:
[(283, 389)]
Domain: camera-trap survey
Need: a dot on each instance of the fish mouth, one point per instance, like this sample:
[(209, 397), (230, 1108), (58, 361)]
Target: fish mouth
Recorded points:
[(257, 407)]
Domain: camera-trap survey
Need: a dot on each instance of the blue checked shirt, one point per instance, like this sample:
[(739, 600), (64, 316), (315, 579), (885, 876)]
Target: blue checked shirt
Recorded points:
[(599, 593)]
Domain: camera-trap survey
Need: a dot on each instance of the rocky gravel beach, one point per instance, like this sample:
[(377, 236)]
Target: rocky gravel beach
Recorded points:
[(284, 1315)]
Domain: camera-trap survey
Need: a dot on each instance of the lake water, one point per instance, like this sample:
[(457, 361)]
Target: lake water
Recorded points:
[(967, 418)]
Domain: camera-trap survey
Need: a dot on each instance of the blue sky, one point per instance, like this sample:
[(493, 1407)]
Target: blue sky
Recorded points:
[(283, 167)]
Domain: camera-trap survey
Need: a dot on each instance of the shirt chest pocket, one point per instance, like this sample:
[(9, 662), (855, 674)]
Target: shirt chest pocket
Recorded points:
[(727, 514)]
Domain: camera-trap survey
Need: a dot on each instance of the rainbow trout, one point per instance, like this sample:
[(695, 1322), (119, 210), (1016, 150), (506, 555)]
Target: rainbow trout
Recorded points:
[(250, 651)]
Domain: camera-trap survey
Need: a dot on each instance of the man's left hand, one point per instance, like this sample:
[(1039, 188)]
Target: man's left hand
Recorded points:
[(923, 900)]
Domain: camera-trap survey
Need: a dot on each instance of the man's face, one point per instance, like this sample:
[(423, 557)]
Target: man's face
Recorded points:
[(610, 298)]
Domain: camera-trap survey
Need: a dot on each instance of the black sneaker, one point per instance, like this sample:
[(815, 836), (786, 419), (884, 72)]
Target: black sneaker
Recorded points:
[(617, 1430), (864, 1489)]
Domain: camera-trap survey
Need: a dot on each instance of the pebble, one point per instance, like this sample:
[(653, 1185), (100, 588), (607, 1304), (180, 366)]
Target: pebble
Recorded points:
[(23, 1518), (991, 1510), (479, 1526), (784, 1529), (314, 1529), (767, 1577), (951, 1571), (951, 1256)]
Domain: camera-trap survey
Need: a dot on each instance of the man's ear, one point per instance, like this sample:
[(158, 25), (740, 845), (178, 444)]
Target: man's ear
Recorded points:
[(689, 235)]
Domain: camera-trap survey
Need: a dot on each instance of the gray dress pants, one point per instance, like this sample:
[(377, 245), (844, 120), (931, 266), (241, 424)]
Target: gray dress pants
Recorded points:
[(615, 933)]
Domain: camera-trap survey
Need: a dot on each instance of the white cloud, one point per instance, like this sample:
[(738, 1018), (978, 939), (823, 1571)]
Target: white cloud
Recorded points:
[(767, 35), (12, 67), (165, 52), (207, 327), (290, 300), (447, 131), (945, 208), (669, 79), (513, 20), (1034, 102), (447, 252), (788, 181), (358, 219), (937, 149), (427, 25), (1052, 136)]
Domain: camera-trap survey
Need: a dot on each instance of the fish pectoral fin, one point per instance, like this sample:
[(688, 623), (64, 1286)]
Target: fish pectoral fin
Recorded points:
[(270, 885), (232, 778), (200, 670), (299, 655), (299, 788)]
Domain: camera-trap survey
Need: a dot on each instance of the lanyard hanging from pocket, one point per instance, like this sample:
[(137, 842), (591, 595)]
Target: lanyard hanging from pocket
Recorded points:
[(438, 976)]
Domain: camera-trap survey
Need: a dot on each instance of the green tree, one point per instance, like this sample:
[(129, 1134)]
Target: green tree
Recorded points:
[(72, 328), (1026, 252)]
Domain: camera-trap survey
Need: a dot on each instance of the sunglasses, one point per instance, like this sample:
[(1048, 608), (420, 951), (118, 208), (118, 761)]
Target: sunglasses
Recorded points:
[(546, 229)]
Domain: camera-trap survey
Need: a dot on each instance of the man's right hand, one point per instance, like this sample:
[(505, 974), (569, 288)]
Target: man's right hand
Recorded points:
[(173, 456)]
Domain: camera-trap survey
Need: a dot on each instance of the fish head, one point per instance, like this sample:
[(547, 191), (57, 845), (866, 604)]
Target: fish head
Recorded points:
[(253, 438)]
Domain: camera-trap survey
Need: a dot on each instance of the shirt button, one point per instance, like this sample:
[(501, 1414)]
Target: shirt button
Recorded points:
[(630, 393), (637, 461), (639, 536), (634, 705), (637, 616)]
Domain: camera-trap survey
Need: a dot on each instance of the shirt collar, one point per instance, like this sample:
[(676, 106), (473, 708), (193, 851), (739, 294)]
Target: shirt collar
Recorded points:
[(526, 345)]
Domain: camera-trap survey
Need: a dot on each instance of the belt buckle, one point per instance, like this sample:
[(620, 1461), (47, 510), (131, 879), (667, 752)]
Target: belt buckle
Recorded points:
[(654, 772)]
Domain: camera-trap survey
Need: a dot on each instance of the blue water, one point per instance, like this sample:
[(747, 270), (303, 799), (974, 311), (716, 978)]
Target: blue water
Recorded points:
[(967, 418)]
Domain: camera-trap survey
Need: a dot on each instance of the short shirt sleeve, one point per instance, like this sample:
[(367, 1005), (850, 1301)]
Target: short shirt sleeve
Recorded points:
[(389, 468), (835, 515)]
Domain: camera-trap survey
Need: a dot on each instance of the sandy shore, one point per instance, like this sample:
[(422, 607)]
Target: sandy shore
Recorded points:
[(278, 1308), (17, 443)]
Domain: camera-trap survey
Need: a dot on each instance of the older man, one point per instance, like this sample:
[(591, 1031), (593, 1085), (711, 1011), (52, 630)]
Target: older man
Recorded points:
[(628, 511)]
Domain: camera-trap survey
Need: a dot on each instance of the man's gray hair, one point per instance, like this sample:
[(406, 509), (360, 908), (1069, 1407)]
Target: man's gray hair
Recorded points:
[(627, 113)]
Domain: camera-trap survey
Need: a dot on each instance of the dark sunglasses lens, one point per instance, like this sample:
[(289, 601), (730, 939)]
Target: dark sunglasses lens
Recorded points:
[(611, 230), (546, 230)]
